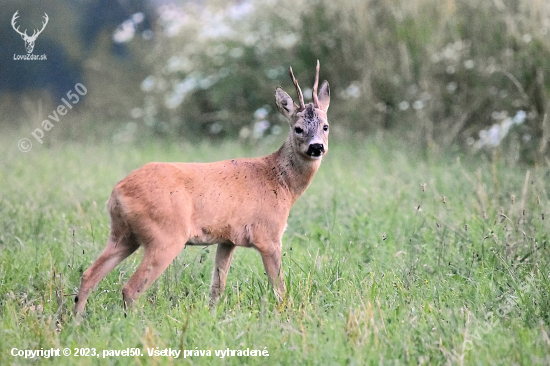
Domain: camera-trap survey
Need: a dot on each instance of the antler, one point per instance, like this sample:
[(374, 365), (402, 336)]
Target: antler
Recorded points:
[(15, 16), (315, 97), (24, 34), (35, 35), (298, 90)]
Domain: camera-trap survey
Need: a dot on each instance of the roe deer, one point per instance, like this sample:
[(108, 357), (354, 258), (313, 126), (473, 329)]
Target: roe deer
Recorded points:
[(241, 202)]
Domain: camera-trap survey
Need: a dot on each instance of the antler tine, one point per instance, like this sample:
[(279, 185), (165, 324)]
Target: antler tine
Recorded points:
[(43, 24), (46, 18), (13, 19), (298, 90), (315, 97)]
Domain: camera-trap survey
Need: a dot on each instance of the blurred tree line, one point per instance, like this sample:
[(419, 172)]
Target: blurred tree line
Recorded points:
[(468, 72)]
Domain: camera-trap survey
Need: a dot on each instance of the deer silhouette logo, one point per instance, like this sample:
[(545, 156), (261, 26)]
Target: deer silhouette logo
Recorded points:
[(29, 40)]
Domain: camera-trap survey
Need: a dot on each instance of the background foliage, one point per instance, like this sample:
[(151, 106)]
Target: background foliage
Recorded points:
[(443, 72)]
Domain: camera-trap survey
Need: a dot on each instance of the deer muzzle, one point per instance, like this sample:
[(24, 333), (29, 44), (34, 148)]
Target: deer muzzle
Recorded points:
[(315, 150)]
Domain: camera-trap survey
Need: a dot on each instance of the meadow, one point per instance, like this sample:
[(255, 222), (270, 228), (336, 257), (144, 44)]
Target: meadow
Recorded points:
[(393, 256)]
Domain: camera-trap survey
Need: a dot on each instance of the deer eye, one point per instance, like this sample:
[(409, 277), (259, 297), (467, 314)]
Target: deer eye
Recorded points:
[(325, 128), (298, 130)]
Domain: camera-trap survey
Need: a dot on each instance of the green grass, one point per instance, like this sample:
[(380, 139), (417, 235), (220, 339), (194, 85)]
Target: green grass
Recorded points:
[(372, 277)]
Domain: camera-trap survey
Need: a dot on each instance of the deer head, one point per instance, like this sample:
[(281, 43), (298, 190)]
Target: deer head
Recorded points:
[(308, 122), (29, 41)]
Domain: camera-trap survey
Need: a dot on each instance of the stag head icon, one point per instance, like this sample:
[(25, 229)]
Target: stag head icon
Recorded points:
[(29, 40)]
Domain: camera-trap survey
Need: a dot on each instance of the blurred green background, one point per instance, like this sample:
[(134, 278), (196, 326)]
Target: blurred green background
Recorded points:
[(468, 74)]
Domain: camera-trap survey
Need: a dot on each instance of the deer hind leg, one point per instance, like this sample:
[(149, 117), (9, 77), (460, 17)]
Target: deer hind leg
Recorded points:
[(224, 253), (120, 245), (159, 252)]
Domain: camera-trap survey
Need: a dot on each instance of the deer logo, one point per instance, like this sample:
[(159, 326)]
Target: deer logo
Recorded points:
[(29, 41)]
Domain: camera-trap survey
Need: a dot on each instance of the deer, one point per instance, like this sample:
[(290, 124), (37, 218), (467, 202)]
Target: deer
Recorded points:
[(245, 202), (29, 41)]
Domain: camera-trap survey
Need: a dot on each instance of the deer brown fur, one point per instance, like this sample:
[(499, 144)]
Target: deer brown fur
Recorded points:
[(240, 202)]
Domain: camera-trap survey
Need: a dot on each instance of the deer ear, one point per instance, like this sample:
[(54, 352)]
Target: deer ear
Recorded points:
[(324, 96), (285, 104)]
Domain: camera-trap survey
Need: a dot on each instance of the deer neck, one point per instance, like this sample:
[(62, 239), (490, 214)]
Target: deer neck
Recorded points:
[(294, 171)]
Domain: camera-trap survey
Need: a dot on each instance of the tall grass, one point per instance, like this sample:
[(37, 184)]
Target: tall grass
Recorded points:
[(389, 258)]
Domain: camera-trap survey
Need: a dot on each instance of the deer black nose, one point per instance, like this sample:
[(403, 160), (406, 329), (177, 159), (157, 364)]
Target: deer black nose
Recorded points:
[(316, 150)]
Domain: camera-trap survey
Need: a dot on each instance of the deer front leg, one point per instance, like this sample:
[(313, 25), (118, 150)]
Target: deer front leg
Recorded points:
[(271, 257), (224, 253)]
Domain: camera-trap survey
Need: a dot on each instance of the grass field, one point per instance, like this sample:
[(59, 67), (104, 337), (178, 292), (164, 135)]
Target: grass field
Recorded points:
[(390, 257)]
